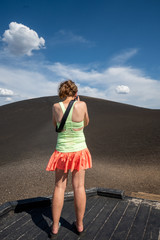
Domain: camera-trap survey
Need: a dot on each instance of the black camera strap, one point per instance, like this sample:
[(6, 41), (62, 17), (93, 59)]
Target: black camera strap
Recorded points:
[(65, 116)]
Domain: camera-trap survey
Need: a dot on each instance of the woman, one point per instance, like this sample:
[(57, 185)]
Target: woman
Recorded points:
[(71, 153)]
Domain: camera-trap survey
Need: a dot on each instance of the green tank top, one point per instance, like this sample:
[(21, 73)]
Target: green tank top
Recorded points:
[(70, 140)]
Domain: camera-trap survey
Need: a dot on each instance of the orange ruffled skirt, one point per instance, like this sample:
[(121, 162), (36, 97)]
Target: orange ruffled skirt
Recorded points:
[(70, 160)]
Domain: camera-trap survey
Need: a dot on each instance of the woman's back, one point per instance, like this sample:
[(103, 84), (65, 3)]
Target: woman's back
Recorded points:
[(79, 113), (72, 138)]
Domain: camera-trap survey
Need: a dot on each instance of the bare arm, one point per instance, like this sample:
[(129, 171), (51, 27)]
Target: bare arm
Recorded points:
[(86, 116), (53, 116)]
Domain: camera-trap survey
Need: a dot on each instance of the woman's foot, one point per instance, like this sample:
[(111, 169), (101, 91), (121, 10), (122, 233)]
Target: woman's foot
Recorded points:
[(79, 228), (55, 229)]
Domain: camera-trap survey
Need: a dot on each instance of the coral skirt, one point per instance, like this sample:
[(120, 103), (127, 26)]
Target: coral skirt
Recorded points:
[(70, 160)]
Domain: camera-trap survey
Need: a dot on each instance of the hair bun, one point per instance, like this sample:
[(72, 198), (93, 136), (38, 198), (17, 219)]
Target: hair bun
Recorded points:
[(67, 89)]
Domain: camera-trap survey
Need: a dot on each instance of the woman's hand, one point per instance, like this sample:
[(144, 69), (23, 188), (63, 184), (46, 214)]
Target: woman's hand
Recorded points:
[(77, 98)]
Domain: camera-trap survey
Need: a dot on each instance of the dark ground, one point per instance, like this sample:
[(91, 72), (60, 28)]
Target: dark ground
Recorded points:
[(124, 142)]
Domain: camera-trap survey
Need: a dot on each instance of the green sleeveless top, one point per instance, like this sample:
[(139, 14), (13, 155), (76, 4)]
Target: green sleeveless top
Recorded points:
[(70, 140)]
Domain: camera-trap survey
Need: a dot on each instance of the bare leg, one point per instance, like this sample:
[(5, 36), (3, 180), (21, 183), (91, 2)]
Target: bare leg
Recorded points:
[(78, 180), (58, 197)]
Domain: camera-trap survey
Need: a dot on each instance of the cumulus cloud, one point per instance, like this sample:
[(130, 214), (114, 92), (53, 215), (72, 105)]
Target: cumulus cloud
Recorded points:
[(6, 92), (21, 40), (121, 89)]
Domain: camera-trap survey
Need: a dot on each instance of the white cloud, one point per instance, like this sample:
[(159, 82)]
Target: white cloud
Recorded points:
[(124, 56), (68, 37), (26, 84), (21, 40), (121, 89), (75, 72), (6, 92), (145, 90), (8, 99), (89, 91)]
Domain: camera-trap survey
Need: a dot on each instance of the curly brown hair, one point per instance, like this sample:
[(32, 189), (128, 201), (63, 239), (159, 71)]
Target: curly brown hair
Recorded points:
[(67, 89)]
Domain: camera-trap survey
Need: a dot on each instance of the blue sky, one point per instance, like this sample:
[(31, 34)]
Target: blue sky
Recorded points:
[(111, 49)]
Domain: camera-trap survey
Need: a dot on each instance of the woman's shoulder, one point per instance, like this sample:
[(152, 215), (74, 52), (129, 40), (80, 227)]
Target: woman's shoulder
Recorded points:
[(56, 106), (80, 104)]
